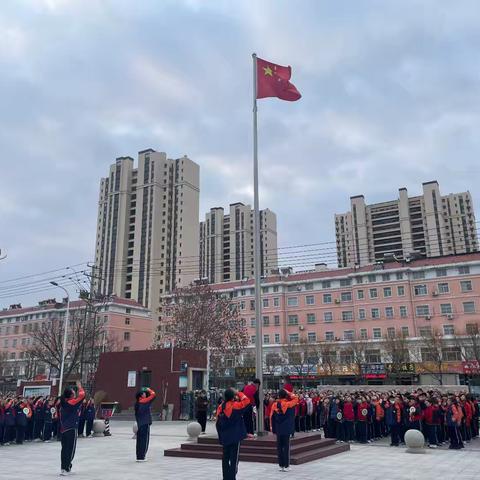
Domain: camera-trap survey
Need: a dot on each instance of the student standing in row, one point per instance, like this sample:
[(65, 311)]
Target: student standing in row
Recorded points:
[(143, 416), (283, 425), (89, 417), (70, 403), (202, 407), (231, 430)]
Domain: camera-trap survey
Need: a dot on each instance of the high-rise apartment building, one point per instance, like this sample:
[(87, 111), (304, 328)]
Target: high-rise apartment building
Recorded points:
[(430, 224), (227, 243), (147, 230)]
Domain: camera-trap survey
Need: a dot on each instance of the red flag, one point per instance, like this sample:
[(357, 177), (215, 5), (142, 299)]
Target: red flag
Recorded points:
[(273, 81)]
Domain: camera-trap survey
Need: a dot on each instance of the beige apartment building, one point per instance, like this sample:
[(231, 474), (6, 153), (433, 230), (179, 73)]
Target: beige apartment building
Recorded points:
[(430, 224), (147, 229), (227, 243)]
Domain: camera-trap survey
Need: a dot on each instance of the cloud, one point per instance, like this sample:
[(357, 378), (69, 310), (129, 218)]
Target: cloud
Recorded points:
[(390, 99)]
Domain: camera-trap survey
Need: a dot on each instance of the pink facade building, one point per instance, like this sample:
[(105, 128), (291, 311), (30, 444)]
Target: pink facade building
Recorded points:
[(127, 325), (433, 295)]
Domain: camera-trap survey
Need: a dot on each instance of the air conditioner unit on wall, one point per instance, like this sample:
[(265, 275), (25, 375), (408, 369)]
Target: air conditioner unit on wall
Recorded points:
[(428, 317), (301, 327), (450, 316), (337, 300), (435, 293)]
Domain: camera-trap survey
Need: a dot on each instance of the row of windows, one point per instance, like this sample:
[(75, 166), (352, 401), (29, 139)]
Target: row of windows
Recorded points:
[(375, 313), (377, 333), (346, 282)]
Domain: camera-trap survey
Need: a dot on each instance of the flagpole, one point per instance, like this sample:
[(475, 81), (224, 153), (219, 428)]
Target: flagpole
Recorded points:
[(257, 260)]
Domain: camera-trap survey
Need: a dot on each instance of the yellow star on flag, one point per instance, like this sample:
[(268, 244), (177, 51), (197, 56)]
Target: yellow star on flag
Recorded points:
[(268, 71)]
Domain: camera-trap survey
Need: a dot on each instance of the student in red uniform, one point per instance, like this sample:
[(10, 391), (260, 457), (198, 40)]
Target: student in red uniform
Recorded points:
[(70, 403), (429, 418), (348, 419), (362, 417), (143, 416), (231, 430), (251, 392), (283, 425)]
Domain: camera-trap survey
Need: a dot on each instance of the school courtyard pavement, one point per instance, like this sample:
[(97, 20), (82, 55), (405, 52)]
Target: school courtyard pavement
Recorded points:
[(113, 458)]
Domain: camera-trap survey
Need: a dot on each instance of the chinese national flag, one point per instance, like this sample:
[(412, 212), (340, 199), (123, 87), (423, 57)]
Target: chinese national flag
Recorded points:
[(273, 81)]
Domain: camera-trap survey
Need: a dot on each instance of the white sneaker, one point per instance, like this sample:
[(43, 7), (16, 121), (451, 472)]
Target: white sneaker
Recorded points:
[(286, 469), (63, 473), (142, 460), (432, 446), (281, 469)]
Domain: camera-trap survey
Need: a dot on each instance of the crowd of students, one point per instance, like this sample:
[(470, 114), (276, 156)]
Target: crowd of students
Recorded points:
[(359, 416), (29, 419)]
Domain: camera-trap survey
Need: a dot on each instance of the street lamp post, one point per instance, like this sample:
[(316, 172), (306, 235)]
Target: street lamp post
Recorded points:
[(64, 348)]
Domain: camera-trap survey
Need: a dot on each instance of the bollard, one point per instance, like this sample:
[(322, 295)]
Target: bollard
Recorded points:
[(106, 432)]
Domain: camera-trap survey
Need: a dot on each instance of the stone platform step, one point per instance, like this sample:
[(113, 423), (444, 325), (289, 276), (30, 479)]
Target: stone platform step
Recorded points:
[(305, 447)]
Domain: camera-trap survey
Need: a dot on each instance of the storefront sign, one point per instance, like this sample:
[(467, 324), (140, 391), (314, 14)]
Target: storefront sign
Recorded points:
[(471, 367), (403, 368), (373, 370)]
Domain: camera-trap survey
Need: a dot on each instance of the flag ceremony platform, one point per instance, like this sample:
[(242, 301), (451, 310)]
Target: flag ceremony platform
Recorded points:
[(304, 447)]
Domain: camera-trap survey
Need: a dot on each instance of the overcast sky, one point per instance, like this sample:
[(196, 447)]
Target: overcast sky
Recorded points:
[(390, 99)]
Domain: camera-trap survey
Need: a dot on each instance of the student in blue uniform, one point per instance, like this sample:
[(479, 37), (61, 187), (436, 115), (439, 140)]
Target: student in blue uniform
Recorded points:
[(48, 414), (81, 418), (283, 425), (22, 413), (143, 416), (231, 430), (70, 403), (38, 418), (89, 417)]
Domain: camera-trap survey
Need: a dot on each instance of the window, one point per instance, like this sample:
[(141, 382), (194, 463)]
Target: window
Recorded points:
[(360, 295), (469, 307), (275, 289), (389, 312), (292, 301), (373, 356), (471, 329), (372, 278), (387, 292), (345, 282), (441, 272), (451, 354), (346, 296), (326, 284), (253, 322), (361, 314), (391, 332), (242, 305), (277, 338), (422, 310), (14, 342), (310, 300), (400, 290), (293, 338), (276, 320), (399, 275), (425, 331), (311, 337), (419, 275), (465, 270), (377, 333), (309, 286), (252, 305), (329, 336), (428, 355), (405, 332), (347, 316), (385, 277), (127, 321), (443, 288), (445, 308), (266, 321), (363, 334), (348, 334), (403, 311), (265, 303), (373, 293), (311, 318), (266, 339), (327, 316), (375, 313), (252, 339), (420, 290), (359, 279), (293, 288), (126, 336), (466, 286), (293, 319), (448, 330), (327, 298), (276, 302)]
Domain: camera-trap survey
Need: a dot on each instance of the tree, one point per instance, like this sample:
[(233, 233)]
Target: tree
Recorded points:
[(469, 346), (197, 317), (396, 354), (84, 340), (430, 354), (329, 359), (302, 357), (357, 349), (3, 364)]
